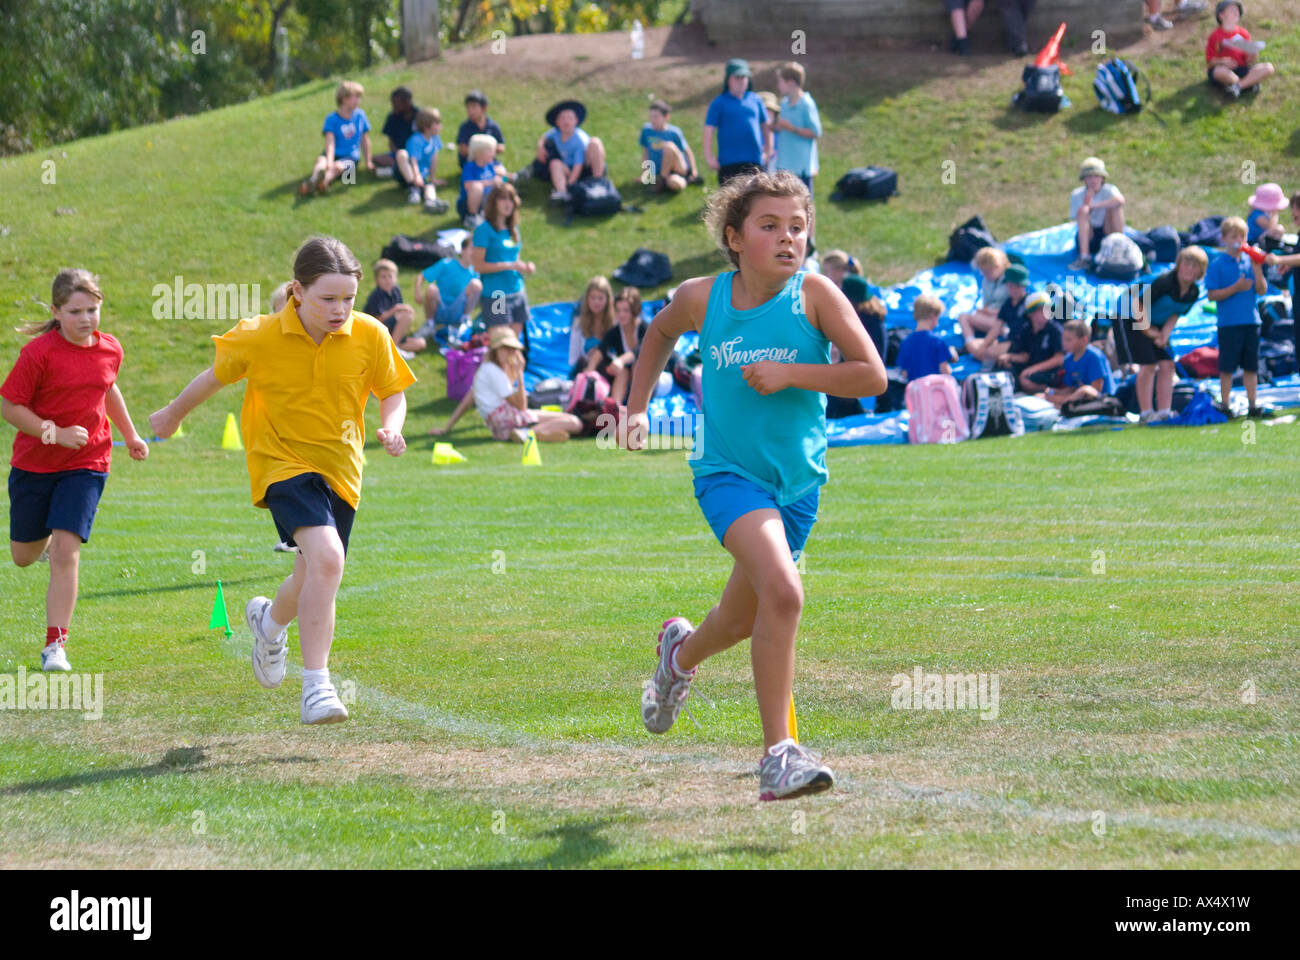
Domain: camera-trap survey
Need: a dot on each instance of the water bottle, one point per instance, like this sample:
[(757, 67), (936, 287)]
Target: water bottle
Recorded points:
[(638, 40)]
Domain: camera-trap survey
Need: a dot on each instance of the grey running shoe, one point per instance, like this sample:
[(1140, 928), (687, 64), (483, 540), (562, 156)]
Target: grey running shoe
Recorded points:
[(269, 653), (664, 693), (321, 704), (789, 770)]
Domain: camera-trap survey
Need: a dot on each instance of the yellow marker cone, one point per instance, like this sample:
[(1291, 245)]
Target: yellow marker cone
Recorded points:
[(445, 453), (794, 724), (553, 407), (230, 439), (532, 456), (180, 431)]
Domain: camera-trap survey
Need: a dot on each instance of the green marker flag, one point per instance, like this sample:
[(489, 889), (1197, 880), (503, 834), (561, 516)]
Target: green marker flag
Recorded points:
[(219, 618)]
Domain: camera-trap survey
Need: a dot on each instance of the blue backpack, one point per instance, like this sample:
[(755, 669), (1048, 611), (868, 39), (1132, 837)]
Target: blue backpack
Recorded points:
[(1116, 87)]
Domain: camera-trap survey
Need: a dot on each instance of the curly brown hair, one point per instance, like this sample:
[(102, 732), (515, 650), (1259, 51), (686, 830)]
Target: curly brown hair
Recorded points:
[(729, 205)]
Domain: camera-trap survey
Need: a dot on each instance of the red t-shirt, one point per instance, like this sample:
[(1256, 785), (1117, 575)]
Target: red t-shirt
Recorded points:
[(1215, 49), (66, 383)]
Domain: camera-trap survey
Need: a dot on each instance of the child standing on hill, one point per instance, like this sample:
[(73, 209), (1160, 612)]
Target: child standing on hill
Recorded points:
[(60, 395), (766, 329), (347, 140), (496, 258), (310, 369)]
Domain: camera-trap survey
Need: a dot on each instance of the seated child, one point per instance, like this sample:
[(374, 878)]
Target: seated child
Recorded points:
[(924, 352), (480, 174), (837, 264), (385, 305), (616, 356), (992, 264), (398, 127), (1086, 371), (1232, 58), (417, 162), (449, 291), (501, 401), (591, 321), (1266, 203), (565, 152), (1011, 316), (1097, 208), (1036, 355), (477, 121), (867, 304), (347, 141), (1234, 281), (664, 147)]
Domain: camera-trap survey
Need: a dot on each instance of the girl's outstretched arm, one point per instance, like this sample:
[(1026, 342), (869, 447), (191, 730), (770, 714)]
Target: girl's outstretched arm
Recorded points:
[(115, 407), (392, 417), (685, 312), (862, 374), (164, 422)]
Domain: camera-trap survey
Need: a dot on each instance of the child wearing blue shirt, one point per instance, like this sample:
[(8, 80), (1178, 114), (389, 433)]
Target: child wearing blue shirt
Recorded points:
[(800, 125), (496, 258), (738, 119), (664, 148), (1087, 371), (566, 153), (1234, 281), (347, 141), (923, 352), (480, 174), (449, 291), (418, 161)]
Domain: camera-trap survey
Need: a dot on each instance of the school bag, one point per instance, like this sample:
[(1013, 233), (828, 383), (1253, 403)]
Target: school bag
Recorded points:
[(411, 252), (1042, 91), (1204, 233), (554, 391), (594, 197), (1201, 362), (461, 367), (968, 239), (645, 268), (588, 387), (866, 183), (934, 411), (1166, 242), (1144, 242), (1104, 406), (1116, 86), (893, 343), (1119, 259), (989, 399)]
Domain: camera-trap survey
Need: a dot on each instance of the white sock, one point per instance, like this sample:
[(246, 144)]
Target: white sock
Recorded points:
[(1167, 412), (314, 678), (673, 658), (1148, 414), (269, 626)]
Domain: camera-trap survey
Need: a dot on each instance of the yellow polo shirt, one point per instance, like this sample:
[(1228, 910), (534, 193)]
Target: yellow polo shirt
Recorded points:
[(304, 404)]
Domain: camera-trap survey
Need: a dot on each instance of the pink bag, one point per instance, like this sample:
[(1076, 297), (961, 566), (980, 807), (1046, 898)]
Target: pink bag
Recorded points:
[(934, 411), (461, 367), (589, 387)]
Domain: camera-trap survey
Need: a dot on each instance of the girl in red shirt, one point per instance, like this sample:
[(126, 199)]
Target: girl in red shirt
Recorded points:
[(61, 394)]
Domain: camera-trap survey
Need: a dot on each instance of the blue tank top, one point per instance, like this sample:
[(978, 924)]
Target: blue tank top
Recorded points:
[(777, 441)]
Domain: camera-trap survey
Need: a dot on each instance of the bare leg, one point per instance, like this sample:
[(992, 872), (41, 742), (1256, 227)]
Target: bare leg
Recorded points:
[(595, 157), (1249, 379), (1145, 377), (1164, 384), (1258, 72), (317, 573), (25, 553), (473, 196), (432, 300), (61, 597), (1225, 388)]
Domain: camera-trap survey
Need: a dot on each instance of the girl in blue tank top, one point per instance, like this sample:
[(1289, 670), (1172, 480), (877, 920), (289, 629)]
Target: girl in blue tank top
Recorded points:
[(765, 333)]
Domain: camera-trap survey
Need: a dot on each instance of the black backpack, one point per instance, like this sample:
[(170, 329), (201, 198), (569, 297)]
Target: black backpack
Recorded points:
[(1042, 93), (893, 341), (1167, 244), (1204, 232), (867, 183), (645, 268), (594, 197), (968, 239), (409, 252)]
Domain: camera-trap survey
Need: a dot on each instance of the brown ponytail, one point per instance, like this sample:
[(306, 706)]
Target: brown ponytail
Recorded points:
[(70, 280)]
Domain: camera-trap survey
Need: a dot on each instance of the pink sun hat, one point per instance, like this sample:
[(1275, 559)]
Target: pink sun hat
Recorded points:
[(1268, 197)]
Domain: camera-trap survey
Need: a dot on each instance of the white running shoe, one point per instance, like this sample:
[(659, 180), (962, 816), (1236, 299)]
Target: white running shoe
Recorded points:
[(664, 693), (1159, 23), (413, 196), (269, 653), (321, 704), (559, 196), (54, 657), (789, 770), (283, 547)]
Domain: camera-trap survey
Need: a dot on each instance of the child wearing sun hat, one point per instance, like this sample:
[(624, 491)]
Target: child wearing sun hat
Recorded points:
[(1265, 204)]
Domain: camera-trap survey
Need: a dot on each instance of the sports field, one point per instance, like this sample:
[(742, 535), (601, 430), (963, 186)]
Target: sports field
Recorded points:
[(1133, 592)]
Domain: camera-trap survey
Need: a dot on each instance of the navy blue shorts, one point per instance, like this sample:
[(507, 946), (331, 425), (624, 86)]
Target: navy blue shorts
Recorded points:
[(726, 497), (307, 501), (42, 502), (1239, 347)]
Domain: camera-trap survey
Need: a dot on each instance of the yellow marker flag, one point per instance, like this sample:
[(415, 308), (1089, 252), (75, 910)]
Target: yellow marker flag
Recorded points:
[(532, 456), (446, 453), (794, 723), (230, 439)]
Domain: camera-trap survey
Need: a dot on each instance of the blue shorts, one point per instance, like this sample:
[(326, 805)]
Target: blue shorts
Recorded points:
[(42, 502), (726, 497), (449, 313), (307, 501), (1239, 347)]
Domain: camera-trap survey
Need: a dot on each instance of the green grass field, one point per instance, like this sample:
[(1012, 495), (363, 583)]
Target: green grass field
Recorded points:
[(1131, 590)]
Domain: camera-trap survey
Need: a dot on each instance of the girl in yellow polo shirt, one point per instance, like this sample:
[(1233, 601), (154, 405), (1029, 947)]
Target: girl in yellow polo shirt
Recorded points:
[(310, 368)]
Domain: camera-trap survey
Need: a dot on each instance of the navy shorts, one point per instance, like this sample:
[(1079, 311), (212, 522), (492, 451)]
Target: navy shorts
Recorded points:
[(1239, 71), (1239, 347), (307, 501), (42, 502), (726, 497), (495, 310)]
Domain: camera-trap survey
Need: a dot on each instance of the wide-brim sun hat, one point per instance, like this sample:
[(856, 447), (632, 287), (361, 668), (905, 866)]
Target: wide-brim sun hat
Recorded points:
[(575, 105), (1036, 300), (503, 337), (1268, 197), (1093, 167)]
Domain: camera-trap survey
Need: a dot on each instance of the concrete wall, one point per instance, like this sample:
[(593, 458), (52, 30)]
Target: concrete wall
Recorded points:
[(726, 20)]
